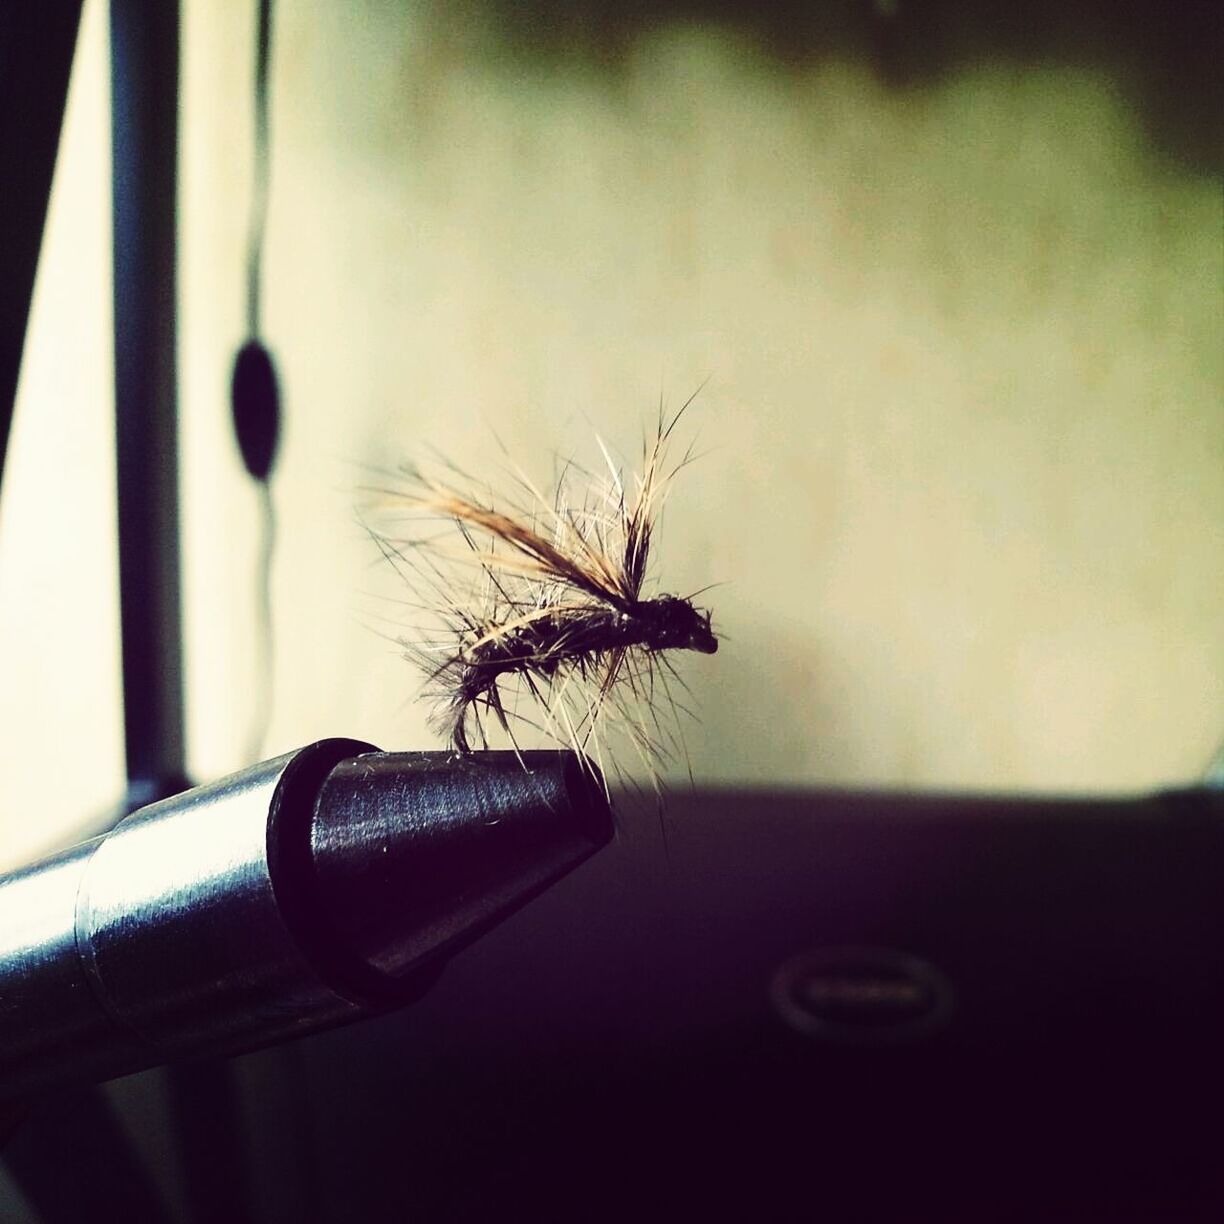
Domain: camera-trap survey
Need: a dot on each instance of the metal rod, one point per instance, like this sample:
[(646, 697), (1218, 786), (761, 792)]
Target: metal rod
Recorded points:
[(144, 100), (305, 892)]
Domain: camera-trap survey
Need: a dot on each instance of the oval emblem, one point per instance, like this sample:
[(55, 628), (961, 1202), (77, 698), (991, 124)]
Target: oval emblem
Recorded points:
[(862, 996)]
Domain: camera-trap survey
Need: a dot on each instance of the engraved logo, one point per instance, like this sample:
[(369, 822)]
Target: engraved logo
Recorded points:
[(862, 996)]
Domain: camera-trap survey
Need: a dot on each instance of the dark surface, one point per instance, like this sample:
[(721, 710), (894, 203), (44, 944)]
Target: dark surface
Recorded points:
[(615, 1052), (806, 1006), (36, 47), (72, 1158)]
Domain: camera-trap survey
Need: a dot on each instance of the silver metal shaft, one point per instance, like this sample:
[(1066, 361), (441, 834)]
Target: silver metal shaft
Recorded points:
[(302, 893)]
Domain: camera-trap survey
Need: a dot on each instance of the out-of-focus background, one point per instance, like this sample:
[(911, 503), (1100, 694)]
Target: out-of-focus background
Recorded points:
[(953, 273)]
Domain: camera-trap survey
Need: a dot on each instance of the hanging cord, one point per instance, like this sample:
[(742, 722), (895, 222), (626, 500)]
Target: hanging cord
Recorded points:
[(255, 392), (258, 221)]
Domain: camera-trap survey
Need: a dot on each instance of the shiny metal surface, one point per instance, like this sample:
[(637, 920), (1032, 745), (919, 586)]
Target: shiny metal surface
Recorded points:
[(179, 921), (414, 854), (302, 893), (48, 1012)]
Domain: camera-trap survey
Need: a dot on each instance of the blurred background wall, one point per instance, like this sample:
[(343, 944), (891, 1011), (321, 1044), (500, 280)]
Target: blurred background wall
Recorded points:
[(954, 277)]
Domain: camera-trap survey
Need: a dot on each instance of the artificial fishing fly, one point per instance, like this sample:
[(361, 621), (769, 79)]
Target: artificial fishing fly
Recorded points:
[(543, 601)]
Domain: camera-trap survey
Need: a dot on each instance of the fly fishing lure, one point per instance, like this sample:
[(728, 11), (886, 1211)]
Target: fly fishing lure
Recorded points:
[(546, 598)]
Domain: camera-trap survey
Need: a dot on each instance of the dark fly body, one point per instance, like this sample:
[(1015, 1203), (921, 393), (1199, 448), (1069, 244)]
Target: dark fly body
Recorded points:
[(583, 639)]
